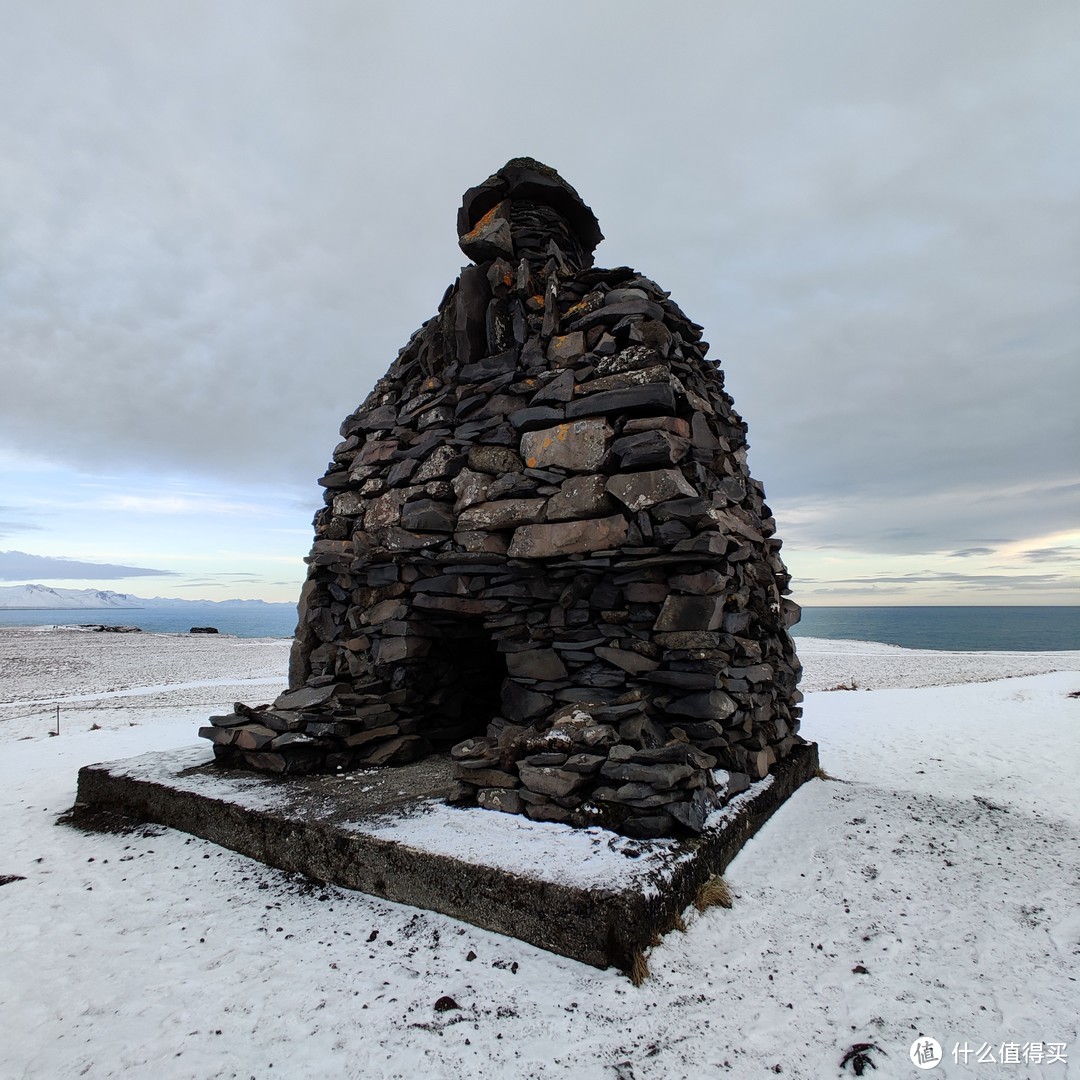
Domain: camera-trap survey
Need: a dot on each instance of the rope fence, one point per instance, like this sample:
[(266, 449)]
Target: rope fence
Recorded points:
[(54, 709)]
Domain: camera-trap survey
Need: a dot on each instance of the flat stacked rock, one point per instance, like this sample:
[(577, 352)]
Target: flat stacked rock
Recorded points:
[(541, 548)]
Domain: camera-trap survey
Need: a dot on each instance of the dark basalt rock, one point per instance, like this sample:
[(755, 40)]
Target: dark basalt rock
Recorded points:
[(540, 546)]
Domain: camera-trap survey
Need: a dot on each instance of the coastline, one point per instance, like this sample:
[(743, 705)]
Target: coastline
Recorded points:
[(109, 678), (829, 663), (156, 658), (1047, 628), (60, 660), (961, 628)]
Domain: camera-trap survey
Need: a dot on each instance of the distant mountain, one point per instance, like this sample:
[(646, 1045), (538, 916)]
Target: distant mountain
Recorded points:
[(41, 597)]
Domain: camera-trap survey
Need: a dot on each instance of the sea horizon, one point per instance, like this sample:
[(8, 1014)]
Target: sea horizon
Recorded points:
[(944, 627), (271, 620), (949, 627)]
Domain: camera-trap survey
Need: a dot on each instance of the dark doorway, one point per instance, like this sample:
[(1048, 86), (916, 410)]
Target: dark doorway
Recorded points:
[(468, 672)]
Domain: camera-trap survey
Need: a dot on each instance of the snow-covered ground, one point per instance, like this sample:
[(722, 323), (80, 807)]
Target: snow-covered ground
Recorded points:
[(931, 889)]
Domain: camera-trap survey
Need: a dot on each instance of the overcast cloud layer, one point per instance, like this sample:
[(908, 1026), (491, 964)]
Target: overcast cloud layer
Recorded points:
[(19, 566), (223, 220)]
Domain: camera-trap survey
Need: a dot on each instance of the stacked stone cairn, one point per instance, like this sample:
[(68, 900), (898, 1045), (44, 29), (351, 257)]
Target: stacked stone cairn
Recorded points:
[(541, 550)]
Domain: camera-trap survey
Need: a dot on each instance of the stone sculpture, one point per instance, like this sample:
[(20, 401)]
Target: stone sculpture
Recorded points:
[(542, 551)]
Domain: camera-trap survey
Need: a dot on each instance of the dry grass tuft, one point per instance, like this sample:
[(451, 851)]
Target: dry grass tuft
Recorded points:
[(679, 923), (639, 969), (714, 893), (821, 774)]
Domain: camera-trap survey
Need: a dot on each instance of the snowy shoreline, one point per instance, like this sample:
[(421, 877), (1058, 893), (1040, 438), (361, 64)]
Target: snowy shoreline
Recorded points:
[(49, 663), (105, 678), (873, 665), (931, 890)]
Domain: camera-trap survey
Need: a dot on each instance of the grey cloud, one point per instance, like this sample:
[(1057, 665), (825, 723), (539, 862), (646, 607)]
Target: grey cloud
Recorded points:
[(14, 523), (962, 581), (967, 553), (853, 590), (228, 218), (940, 519), (1053, 554), (21, 566)]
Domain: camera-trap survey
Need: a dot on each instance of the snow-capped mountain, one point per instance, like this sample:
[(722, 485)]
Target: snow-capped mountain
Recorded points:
[(42, 597)]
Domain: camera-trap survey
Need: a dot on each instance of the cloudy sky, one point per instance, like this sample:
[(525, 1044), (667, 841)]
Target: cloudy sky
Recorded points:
[(223, 219)]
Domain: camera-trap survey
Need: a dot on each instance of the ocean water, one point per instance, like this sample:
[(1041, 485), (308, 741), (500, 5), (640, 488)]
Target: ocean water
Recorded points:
[(261, 620), (964, 629), (952, 629)]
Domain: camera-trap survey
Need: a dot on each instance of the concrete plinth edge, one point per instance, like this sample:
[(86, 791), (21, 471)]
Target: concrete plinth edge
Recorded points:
[(586, 894)]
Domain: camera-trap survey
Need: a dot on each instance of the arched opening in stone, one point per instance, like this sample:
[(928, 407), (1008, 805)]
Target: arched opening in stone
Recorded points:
[(467, 672)]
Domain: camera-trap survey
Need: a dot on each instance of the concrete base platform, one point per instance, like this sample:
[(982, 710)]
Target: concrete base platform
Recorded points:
[(588, 894)]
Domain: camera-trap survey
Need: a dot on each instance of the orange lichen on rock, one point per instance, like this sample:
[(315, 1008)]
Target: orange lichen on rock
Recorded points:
[(475, 232)]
